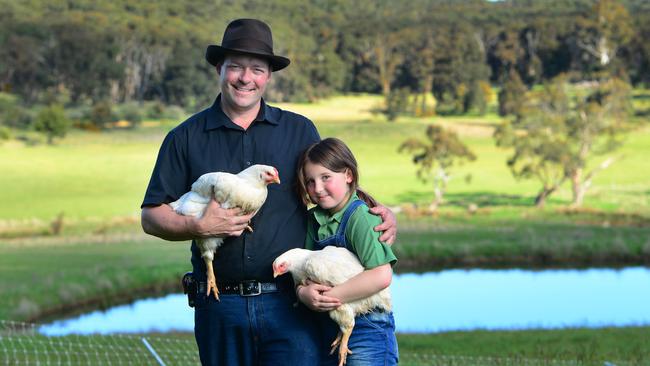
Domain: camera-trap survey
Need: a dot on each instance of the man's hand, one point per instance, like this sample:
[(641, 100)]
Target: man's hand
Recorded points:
[(388, 227), (221, 222), (312, 296)]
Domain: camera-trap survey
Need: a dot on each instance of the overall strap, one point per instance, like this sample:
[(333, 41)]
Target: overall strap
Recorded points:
[(347, 214), (338, 239)]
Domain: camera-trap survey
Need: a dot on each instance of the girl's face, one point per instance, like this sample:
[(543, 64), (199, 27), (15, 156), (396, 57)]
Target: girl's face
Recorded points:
[(329, 190)]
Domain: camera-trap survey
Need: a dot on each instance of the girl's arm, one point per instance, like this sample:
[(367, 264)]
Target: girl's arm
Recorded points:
[(363, 285)]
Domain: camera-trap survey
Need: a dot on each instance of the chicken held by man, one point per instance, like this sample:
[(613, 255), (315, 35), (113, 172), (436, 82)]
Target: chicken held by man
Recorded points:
[(246, 190)]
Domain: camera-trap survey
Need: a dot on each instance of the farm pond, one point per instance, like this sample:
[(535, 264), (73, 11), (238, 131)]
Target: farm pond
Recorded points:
[(440, 301)]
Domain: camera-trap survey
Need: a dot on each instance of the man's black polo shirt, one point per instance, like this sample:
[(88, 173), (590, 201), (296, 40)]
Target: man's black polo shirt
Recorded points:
[(209, 142)]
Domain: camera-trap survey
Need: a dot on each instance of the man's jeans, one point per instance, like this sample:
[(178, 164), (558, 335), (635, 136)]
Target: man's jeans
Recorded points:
[(372, 341), (257, 330)]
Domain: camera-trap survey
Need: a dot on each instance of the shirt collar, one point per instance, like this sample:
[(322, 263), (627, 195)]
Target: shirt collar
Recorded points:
[(217, 118), (323, 216)]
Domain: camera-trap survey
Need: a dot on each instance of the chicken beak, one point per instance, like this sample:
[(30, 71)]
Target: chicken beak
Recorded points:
[(279, 269), (276, 177)]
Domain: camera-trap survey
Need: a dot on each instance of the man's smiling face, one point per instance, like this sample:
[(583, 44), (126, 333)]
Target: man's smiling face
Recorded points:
[(243, 80)]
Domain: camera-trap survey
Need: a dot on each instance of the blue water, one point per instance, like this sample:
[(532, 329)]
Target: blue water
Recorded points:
[(442, 301)]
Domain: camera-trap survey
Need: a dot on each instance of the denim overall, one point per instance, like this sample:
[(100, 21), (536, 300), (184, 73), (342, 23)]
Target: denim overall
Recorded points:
[(373, 339)]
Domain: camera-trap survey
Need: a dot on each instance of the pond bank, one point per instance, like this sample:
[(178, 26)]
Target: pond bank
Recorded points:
[(53, 276), (503, 243), (104, 302)]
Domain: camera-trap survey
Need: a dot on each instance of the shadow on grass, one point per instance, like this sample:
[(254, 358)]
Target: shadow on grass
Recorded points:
[(482, 199), (643, 96), (642, 112), (488, 199)]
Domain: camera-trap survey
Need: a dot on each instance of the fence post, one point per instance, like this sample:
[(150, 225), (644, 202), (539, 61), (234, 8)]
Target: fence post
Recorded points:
[(153, 352)]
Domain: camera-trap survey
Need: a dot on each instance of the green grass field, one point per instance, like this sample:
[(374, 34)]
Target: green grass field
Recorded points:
[(54, 277), (97, 180), (91, 176)]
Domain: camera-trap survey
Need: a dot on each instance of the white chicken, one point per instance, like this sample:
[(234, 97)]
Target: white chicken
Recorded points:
[(246, 190), (332, 266)]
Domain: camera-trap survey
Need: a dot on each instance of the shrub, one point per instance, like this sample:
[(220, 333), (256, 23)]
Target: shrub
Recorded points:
[(512, 95), (101, 114), (158, 110), (477, 98), (460, 99), (424, 105), (174, 112), (80, 116), (155, 110), (5, 133), (132, 112), (52, 122), (12, 113), (397, 103)]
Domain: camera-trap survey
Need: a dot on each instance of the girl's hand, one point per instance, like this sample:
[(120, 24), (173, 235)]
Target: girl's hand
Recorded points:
[(388, 225), (312, 296)]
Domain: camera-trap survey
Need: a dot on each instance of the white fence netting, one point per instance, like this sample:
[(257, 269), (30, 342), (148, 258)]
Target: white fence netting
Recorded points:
[(23, 344)]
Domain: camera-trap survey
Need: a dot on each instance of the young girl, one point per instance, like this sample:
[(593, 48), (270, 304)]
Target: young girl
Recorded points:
[(328, 177)]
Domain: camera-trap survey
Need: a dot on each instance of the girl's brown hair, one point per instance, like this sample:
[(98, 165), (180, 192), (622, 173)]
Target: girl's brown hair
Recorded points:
[(334, 155)]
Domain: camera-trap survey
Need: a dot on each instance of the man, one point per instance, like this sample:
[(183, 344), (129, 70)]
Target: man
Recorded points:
[(255, 321)]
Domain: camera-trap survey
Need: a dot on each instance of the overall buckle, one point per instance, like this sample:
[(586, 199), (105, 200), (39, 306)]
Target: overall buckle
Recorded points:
[(250, 288)]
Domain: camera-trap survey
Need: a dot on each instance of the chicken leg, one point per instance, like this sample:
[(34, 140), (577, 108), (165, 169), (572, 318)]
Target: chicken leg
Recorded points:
[(341, 341), (212, 280)]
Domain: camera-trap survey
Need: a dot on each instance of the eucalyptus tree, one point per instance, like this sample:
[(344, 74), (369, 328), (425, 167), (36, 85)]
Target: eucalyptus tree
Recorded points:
[(422, 67), (83, 62), (460, 65), (374, 41), (600, 34), (310, 35), (537, 136), (23, 66), (558, 133), (638, 55), (435, 157), (596, 128), (512, 94)]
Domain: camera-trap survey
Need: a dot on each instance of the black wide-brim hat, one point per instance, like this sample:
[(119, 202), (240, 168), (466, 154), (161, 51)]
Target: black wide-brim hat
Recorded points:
[(247, 36)]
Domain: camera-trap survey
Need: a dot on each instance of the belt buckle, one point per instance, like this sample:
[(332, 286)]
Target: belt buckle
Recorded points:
[(241, 288)]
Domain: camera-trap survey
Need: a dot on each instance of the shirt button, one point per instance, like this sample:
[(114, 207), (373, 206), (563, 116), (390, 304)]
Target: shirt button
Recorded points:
[(249, 257), (248, 163)]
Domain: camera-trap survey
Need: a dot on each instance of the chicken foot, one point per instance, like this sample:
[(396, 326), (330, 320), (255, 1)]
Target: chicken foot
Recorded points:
[(212, 280), (341, 341)]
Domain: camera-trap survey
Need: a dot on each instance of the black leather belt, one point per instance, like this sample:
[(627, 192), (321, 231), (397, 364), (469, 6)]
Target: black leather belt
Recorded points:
[(244, 288)]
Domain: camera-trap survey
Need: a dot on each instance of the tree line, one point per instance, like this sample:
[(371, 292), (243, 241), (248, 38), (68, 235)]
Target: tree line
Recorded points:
[(121, 51)]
